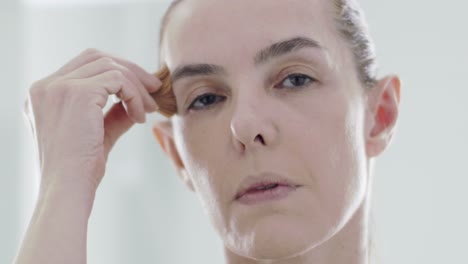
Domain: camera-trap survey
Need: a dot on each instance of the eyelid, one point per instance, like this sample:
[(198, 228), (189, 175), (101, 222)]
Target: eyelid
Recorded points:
[(290, 71), (193, 94), (217, 99), (188, 85), (204, 88)]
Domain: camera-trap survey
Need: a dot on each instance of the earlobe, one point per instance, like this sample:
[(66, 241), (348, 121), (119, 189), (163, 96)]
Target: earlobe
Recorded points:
[(384, 114), (163, 133)]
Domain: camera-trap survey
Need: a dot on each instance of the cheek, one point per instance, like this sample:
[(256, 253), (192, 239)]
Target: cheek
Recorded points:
[(197, 144), (334, 156), (200, 153)]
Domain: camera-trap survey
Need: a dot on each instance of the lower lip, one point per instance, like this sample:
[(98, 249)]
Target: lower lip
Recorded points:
[(274, 194)]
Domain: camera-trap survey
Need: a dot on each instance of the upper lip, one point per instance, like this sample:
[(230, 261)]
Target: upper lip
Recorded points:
[(265, 178)]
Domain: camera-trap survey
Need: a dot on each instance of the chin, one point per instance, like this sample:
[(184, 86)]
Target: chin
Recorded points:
[(280, 237)]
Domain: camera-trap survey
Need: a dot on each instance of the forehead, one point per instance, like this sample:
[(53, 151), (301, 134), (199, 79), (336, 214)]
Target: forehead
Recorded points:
[(233, 31)]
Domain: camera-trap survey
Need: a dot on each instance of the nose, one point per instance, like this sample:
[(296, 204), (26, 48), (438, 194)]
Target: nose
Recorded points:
[(252, 124)]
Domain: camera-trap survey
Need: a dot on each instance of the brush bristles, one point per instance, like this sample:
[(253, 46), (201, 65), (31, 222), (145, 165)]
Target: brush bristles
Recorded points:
[(165, 97)]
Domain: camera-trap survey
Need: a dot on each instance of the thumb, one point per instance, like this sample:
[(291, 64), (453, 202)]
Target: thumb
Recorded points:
[(116, 123)]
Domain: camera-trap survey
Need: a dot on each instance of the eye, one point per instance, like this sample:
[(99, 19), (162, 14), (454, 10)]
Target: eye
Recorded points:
[(204, 101), (297, 80)]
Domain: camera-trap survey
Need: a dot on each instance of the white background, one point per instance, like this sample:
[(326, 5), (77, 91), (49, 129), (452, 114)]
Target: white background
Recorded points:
[(143, 214)]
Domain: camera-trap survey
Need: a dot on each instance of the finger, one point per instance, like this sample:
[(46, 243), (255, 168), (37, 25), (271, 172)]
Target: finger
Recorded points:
[(104, 64), (148, 101), (116, 123), (85, 57), (151, 82), (113, 82), (128, 93)]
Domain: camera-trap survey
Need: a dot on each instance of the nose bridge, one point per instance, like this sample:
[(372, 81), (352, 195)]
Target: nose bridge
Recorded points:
[(251, 124)]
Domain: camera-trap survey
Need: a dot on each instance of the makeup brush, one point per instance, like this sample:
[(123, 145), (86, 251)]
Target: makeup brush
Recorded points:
[(165, 97)]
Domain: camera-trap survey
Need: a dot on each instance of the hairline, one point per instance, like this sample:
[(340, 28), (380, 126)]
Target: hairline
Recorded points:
[(346, 19)]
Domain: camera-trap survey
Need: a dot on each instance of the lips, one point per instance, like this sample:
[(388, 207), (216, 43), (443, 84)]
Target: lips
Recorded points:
[(263, 182)]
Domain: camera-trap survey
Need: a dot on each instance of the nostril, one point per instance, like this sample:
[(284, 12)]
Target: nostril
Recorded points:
[(259, 137)]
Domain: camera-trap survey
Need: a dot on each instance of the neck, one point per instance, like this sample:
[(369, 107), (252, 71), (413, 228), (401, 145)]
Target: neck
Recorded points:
[(350, 245)]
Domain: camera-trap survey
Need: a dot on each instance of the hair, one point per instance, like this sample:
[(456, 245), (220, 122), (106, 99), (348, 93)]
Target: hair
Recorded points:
[(352, 27)]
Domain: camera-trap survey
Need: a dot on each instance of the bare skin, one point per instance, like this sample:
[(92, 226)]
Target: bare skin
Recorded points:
[(323, 136), (73, 155)]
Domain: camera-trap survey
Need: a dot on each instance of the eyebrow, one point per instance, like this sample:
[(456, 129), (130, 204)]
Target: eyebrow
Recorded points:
[(262, 57)]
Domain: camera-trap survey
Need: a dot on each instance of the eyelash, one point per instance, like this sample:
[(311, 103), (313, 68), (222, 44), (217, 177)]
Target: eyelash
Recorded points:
[(203, 96)]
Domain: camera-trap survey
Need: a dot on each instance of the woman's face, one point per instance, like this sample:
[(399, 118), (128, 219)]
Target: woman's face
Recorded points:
[(253, 118)]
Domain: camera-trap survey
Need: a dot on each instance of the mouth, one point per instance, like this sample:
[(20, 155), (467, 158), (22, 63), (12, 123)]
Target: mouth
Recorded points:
[(265, 187)]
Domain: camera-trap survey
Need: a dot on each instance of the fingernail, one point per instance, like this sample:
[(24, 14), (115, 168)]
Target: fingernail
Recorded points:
[(153, 79), (159, 81), (154, 88)]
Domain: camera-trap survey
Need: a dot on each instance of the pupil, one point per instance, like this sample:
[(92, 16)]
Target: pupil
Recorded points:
[(207, 99), (298, 77)]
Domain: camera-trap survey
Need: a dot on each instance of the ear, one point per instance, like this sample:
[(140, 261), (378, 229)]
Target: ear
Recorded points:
[(163, 133), (382, 115)]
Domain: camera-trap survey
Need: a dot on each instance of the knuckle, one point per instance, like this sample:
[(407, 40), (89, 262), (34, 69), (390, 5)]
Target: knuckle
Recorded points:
[(35, 94), (37, 84), (46, 90), (61, 89), (116, 75), (106, 60), (106, 63), (127, 73), (59, 85), (133, 65), (37, 88), (91, 51)]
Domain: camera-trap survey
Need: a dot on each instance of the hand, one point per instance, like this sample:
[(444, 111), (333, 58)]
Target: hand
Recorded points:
[(65, 111)]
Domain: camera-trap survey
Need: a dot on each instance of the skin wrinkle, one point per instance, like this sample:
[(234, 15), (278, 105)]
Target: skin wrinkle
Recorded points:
[(316, 135), (165, 98), (301, 47)]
